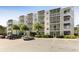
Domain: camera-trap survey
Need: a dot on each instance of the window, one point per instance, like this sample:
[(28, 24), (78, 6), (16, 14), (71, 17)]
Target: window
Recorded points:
[(47, 28), (9, 29), (58, 17), (47, 12), (47, 23), (55, 10), (9, 24), (54, 27), (51, 33), (66, 32), (10, 21), (9, 33), (66, 11), (66, 25), (42, 22), (57, 33), (55, 19), (66, 18)]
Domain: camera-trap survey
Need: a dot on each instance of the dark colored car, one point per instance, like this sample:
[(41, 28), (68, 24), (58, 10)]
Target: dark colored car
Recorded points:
[(9, 37), (2, 36), (25, 38), (12, 36)]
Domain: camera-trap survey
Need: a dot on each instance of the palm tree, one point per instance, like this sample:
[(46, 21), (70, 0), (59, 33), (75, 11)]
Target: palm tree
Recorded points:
[(16, 27), (76, 30), (2, 30), (23, 28), (38, 26)]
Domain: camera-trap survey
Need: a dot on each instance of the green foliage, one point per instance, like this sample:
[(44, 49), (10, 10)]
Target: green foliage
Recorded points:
[(16, 27), (55, 10), (38, 27), (67, 10), (70, 36), (2, 30), (43, 36), (76, 30), (23, 27), (38, 36)]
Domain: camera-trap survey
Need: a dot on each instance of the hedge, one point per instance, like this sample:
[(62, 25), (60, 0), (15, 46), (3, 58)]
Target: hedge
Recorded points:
[(70, 36)]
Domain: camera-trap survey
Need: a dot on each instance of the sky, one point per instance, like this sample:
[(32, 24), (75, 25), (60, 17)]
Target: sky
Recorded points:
[(13, 12)]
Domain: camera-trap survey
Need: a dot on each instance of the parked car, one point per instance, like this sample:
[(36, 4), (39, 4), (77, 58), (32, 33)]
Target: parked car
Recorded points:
[(12, 36), (9, 36), (25, 38), (2, 36)]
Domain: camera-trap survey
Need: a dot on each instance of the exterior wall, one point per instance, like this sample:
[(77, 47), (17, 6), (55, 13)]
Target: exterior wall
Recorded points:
[(35, 20), (40, 18), (70, 21), (29, 21), (57, 20), (61, 23), (22, 19), (9, 26), (47, 23)]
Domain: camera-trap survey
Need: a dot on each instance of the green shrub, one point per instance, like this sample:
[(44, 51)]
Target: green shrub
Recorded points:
[(60, 36), (70, 36), (43, 36), (77, 36), (38, 36)]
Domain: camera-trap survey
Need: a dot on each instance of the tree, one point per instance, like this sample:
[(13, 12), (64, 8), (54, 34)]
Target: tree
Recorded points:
[(16, 27), (76, 30), (2, 30), (23, 28), (38, 26)]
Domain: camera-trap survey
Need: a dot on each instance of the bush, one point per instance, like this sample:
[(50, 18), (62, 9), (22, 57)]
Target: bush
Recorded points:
[(70, 36), (60, 36), (38, 36), (50, 36), (75, 34), (44, 36), (32, 34)]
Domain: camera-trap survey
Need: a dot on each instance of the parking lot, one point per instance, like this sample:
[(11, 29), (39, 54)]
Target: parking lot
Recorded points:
[(20, 45), (39, 45)]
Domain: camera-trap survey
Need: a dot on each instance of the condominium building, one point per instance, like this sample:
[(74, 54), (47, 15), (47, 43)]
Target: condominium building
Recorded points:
[(22, 19), (10, 24), (40, 19), (59, 21), (37, 17), (56, 22), (29, 21)]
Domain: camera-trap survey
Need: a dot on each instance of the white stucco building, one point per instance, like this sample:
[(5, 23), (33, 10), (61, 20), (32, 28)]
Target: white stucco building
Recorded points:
[(56, 22)]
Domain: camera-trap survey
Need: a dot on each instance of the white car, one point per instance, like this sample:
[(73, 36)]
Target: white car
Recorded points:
[(28, 38)]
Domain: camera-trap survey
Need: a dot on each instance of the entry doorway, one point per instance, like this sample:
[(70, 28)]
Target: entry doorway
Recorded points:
[(54, 34)]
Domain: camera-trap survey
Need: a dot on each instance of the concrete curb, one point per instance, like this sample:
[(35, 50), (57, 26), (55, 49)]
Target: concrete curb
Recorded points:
[(54, 39)]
